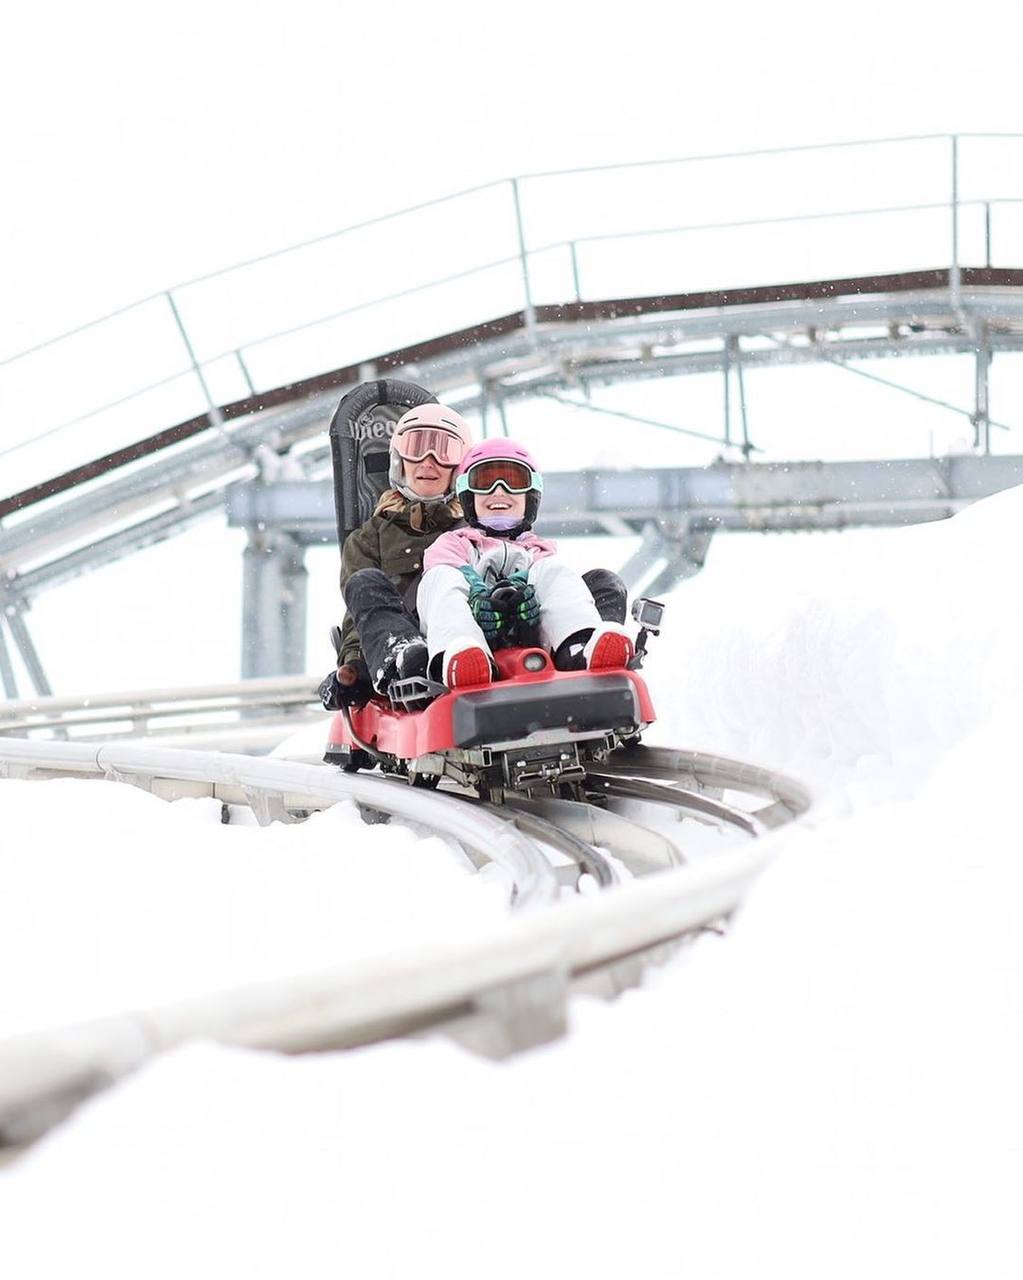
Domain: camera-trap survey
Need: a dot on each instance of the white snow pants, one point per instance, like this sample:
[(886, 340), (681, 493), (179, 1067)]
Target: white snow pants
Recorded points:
[(442, 603)]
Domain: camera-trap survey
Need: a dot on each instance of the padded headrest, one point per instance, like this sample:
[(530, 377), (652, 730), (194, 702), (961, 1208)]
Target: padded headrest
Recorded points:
[(360, 437)]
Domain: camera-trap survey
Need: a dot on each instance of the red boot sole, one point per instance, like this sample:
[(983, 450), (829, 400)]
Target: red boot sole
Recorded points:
[(470, 667), (610, 652)]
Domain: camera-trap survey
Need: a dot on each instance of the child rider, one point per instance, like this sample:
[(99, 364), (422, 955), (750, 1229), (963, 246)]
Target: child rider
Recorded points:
[(499, 488)]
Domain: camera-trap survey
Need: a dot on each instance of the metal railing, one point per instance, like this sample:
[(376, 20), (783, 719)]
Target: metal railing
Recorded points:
[(526, 269), (244, 707)]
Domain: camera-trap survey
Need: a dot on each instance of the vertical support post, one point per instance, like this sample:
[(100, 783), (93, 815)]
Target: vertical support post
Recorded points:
[(747, 447), (987, 233), (726, 365), (295, 607), (726, 361), (502, 414), (212, 408), (955, 274), (245, 372), (981, 414), (13, 611), (7, 669), (529, 309), (575, 271), (274, 596)]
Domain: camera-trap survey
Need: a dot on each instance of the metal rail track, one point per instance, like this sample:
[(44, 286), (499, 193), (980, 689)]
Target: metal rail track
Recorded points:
[(500, 993), (612, 784), (584, 858), (277, 789)]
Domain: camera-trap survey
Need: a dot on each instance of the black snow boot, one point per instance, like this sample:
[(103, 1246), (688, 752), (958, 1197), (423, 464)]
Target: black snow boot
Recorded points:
[(405, 656)]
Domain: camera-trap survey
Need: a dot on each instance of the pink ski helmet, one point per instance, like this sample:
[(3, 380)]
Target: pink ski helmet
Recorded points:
[(499, 462), (429, 430)]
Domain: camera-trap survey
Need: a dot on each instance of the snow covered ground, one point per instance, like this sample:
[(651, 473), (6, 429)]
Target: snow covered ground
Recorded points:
[(113, 899), (831, 1091)]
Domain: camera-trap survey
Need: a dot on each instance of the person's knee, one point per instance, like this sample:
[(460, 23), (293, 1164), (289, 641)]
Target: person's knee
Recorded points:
[(430, 585), (363, 583), (609, 593)]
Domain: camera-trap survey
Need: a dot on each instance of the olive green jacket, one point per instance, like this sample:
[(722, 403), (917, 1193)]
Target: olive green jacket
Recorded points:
[(393, 541)]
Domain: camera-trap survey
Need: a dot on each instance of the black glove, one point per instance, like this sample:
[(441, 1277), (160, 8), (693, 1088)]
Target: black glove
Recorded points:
[(347, 686), (520, 610), (527, 608)]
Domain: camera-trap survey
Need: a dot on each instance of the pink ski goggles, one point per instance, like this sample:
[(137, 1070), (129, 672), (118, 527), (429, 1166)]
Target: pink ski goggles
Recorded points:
[(416, 443)]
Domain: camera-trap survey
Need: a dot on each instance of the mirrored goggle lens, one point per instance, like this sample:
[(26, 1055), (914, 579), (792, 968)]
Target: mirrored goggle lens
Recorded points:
[(415, 443), (484, 477)]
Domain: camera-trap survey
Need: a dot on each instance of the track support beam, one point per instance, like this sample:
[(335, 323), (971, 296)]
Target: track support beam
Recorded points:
[(7, 669), (274, 593), (682, 547), (686, 552), (14, 613), (982, 412)]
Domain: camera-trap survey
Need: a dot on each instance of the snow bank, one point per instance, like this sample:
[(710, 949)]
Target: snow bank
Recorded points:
[(111, 898), (830, 1091), (872, 658)]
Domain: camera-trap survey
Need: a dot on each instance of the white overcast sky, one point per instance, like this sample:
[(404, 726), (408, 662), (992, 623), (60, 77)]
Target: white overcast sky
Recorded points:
[(145, 144)]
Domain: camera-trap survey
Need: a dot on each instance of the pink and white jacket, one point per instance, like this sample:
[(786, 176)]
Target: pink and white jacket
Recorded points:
[(491, 557)]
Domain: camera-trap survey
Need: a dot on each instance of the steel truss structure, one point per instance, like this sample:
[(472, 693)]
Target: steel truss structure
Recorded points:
[(111, 510)]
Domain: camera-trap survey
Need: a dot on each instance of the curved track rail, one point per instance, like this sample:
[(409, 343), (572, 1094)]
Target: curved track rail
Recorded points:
[(660, 774), (497, 993)]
